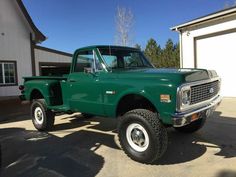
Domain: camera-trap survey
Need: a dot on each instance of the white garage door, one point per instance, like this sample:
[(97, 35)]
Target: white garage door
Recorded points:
[(219, 53)]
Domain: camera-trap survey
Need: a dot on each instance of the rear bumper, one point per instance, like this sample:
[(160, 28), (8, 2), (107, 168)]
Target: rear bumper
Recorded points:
[(183, 118)]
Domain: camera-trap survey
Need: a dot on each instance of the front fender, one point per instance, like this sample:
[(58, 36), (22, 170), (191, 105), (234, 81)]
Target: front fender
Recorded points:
[(151, 93), (141, 92)]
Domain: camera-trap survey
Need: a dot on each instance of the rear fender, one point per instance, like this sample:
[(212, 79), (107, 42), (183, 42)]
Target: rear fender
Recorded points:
[(41, 86)]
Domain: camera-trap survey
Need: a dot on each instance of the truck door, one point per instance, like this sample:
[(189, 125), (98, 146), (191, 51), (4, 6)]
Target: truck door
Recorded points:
[(85, 92)]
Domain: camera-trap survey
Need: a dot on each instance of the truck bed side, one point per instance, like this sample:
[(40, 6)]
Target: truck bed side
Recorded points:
[(48, 88)]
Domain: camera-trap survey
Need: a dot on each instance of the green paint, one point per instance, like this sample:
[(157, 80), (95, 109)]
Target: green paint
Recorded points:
[(99, 93)]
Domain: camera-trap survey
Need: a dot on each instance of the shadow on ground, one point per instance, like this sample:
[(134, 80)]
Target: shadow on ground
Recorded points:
[(103, 124), (32, 153), (13, 110), (218, 132), (226, 173)]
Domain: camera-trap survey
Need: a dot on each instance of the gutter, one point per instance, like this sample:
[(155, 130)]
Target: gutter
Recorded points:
[(209, 17), (181, 48)]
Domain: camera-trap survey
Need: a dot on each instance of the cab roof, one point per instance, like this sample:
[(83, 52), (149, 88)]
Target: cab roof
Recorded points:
[(107, 46)]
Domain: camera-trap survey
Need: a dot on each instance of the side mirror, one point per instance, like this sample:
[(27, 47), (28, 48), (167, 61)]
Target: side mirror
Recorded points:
[(88, 70)]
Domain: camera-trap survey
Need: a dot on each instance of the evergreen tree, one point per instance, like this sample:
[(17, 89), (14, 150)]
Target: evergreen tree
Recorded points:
[(177, 55), (170, 55), (153, 52), (137, 46)]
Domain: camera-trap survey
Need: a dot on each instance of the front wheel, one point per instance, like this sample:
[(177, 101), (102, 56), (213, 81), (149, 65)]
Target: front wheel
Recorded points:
[(42, 118), (142, 135)]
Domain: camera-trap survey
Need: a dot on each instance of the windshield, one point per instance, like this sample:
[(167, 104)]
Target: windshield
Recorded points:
[(116, 58)]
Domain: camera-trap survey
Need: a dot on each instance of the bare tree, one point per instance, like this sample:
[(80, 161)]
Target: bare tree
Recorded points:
[(124, 26), (228, 4)]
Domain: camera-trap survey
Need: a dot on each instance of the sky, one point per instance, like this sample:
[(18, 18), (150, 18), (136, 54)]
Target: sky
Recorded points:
[(71, 24)]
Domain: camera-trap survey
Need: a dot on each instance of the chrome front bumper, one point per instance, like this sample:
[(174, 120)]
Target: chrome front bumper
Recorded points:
[(183, 118)]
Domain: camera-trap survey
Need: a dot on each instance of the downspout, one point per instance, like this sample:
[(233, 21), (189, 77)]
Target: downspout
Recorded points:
[(181, 47), (32, 46)]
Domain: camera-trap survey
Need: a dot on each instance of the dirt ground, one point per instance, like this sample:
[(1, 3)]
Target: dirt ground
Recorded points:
[(89, 147)]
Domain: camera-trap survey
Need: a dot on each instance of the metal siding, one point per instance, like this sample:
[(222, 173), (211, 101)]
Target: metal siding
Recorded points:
[(46, 56), (189, 34), (193, 49), (14, 44)]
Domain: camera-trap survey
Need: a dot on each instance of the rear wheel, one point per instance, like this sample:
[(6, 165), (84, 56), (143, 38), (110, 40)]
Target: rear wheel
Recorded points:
[(142, 135), (42, 118), (192, 127)]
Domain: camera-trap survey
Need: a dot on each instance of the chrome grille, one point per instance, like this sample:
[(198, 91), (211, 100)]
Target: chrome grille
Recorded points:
[(204, 92)]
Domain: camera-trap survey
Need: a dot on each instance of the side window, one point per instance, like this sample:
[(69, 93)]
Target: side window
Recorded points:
[(84, 60)]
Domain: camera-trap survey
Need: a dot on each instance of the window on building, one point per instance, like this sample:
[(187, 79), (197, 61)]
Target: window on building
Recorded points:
[(7, 73)]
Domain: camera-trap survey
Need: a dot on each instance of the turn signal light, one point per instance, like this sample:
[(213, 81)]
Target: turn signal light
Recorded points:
[(194, 117), (165, 98)]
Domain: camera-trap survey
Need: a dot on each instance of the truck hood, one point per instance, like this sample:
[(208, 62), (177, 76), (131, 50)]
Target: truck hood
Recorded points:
[(181, 75)]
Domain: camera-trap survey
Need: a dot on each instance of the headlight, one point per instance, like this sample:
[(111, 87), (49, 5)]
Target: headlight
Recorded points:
[(185, 98)]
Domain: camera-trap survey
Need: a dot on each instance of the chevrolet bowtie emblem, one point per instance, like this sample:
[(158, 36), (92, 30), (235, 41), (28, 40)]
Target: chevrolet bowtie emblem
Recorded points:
[(211, 90)]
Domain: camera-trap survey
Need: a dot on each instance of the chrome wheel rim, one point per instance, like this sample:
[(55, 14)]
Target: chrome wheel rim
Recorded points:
[(38, 115), (137, 137)]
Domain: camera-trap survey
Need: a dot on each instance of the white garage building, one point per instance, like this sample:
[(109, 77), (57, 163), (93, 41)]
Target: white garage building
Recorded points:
[(210, 42), (19, 54)]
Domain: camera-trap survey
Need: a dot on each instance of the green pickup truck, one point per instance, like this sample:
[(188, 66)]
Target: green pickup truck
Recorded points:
[(119, 82)]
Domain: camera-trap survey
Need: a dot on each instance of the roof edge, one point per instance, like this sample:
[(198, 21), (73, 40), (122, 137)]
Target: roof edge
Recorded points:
[(208, 17), (39, 36), (53, 50)]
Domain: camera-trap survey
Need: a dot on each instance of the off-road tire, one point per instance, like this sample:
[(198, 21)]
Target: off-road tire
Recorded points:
[(48, 117), (155, 130), (192, 127)]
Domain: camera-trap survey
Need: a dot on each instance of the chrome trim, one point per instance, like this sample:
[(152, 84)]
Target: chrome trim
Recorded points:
[(110, 92), (178, 99), (183, 118), (103, 61), (94, 66)]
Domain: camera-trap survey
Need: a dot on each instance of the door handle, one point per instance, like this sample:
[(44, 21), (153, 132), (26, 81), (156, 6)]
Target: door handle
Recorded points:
[(72, 80)]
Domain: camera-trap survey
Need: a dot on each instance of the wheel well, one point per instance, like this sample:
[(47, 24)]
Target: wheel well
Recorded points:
[(133, 101), (36, 94)]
